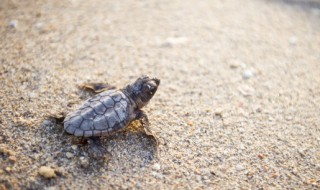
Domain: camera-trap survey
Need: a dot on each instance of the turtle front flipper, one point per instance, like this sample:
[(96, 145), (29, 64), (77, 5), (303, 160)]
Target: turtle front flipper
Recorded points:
[(96, 87), (143, 118)]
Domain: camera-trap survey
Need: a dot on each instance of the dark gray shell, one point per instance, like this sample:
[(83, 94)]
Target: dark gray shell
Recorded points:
[(100, 115)]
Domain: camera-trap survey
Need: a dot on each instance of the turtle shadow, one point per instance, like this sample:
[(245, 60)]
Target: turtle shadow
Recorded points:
[(125, 150), (309, 4), (305, 5)]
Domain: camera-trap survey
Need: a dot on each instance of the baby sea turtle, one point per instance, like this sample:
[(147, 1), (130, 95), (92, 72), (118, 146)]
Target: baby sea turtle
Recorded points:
[(112, 110)]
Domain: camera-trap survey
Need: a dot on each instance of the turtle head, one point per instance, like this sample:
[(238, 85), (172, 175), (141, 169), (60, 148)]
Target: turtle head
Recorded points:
[(142, 90)]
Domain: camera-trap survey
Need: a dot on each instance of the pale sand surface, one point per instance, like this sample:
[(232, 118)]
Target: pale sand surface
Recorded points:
[(217, 130)]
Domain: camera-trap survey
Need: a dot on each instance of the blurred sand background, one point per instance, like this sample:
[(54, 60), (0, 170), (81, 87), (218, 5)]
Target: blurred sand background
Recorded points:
[(238, 106)]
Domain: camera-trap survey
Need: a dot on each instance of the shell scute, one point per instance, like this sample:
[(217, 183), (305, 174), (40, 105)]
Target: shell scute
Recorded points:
[(100, 115), (121, 111), (107, 102), (100, 122), (87, 124), (100, 109), (88, 113), (78, 133), (72, 124), (95, 98), (88, 133), (112, 119), (116, 97)]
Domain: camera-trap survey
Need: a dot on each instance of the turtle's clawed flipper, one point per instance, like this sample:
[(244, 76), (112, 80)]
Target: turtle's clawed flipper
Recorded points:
[(96, 150), (97, 87), (143, 118)]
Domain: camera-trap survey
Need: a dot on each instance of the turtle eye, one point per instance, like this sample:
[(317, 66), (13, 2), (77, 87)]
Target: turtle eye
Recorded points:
[(153, 90), (150, 89)]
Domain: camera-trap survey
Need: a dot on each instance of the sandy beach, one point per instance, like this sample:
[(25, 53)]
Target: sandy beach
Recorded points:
[(238, 106)]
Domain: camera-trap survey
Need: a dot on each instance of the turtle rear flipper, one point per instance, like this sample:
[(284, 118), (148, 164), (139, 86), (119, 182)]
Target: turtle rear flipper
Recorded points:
[(97, 87), (96, 149)]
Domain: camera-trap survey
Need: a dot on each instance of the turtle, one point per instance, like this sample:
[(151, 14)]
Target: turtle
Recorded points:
[(111, 110)]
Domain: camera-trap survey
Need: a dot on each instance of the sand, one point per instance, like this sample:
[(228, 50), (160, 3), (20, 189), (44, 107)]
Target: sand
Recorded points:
[(238, 106)]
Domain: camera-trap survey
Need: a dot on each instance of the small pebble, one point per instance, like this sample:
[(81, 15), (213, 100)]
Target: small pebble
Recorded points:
[(3, 187), (218, 111), (60, 171), (84, 162), (241, 130), (13, 23), (259, 110), (246, 90), (69, 155), (12, 159), (239, 167), (6, 151), (261, 156), (190, 123), (312, 180), (169, 42), (242, 147), (155, 174), (157, 166), (274, 175), (39, 25), (289, 118), (46, 122), (301, 152), (198, 178), (236, 63), (47, 172), (8, 169), (247, 74), (32, 95), (293, 40), (51, 188)]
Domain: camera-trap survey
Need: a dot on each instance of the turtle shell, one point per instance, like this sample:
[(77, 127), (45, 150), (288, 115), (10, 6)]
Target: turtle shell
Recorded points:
[(100, 115)]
